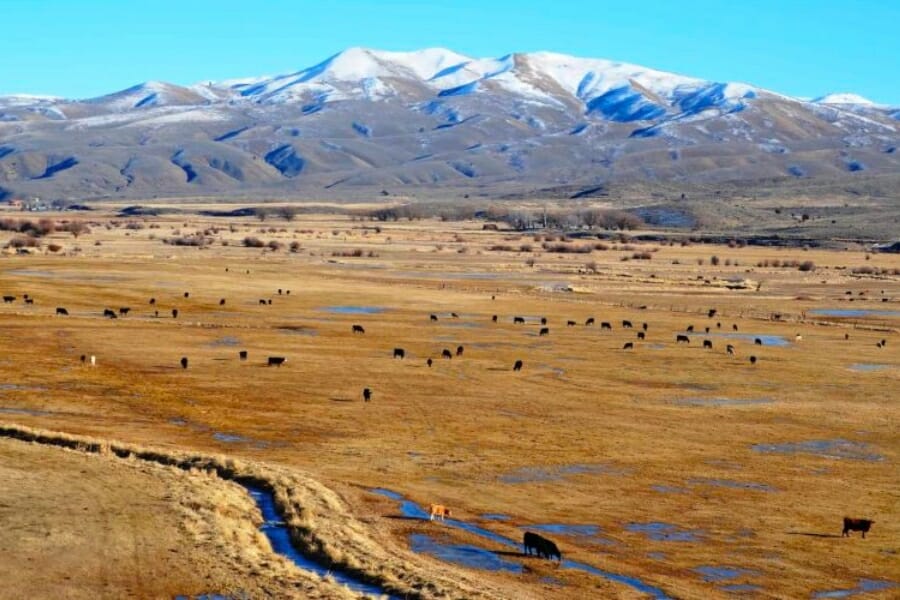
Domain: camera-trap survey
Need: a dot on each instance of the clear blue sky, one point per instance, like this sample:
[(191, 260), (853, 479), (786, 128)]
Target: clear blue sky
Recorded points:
[(83, 48)]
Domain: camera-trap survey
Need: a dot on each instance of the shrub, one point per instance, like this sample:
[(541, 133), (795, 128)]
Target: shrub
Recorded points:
[(714, 260), (807, 265), (295, 247), (274, 245), (253, 242), (54, 247)]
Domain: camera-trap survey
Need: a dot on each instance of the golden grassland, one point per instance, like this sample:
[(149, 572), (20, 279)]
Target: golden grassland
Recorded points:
[(586, 434)]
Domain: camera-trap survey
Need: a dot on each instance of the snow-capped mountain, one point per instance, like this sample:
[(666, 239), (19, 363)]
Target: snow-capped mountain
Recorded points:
[(435, 119)]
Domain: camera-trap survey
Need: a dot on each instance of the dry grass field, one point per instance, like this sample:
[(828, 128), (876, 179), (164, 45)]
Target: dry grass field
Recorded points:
[(691, 472)]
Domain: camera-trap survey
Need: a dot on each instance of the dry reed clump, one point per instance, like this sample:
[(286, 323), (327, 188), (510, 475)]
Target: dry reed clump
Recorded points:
[(318, 519)]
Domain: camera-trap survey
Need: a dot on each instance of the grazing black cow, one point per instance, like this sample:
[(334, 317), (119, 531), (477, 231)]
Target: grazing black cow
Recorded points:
[(690, 329), (184, 362), (542, 546), (25, 296), (605, 325), (626, 324), (570, 323), (29, 300), (446, 354), (682, 338), (242, 355), (276, 361), (543, 320), (83, 358), (124, 310), (707, 330), (846, 336), (9, 299), (518, 321), (494, 318), (729, 349), (367, 394), (628, 346), (544, 331), (642, 335), (174, 313), (221, 301), (261, 301), (645, 326), (517, 366), (752, 360), (429, 362), (590, 321), (707, 344), (711, 313), (270, 302), (862, 525), (61, 311), (279, 293), (187, 294), (108, 312), (152, 301), (883, 343), (459, 350), (454, 315), (719, 325), (434, 317), (758, 342), (878, 344), (358, 329), (399, 353), (287, 292), (155, 313), (734, 327)]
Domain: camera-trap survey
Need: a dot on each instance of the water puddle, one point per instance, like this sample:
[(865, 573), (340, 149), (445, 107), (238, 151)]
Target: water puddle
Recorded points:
[(722, 401), (657, 555), (730, 483), (298, 330), (854, 313), (868, 367), (279, 537), (838, 448), (669, 489), (230, 438), (586, 533), (558, 473), (225, 342), (354, 310), (24, 411), (15, 387), (717, 574), (741, 588), (665, 532), (464, 555), (412, 510), (495, 517), (767, 340), (864, 586)]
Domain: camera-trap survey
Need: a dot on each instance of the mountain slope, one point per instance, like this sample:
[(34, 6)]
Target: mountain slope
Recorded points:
[(436, 122)]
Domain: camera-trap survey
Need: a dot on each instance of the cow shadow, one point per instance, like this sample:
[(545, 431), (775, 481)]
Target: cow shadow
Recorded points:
[(404, 518), (342, 399), (814, 534)]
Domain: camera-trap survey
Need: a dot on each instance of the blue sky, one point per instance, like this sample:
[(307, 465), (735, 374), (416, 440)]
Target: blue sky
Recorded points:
[(84, 48)]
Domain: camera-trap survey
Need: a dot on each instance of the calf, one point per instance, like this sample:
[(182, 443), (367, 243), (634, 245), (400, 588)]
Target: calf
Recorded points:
[(682, 339), (518, 321), (517, 366), (358, 329), (446, 354), (605, 325), (628, 346), (367, 394), (276, 361), (399, 353), (438, 510), (590, 321), (707, 344), (29, 300), (184, 362), (862, 525), (459, 350), (61, 311), (544, 331), (626, 324)]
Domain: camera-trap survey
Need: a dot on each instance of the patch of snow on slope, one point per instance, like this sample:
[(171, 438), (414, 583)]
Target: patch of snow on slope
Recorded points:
[(844, 99)]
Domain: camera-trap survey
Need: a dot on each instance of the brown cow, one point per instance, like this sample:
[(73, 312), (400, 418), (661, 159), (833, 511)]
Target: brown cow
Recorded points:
[(862, 525), (438, 510)]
